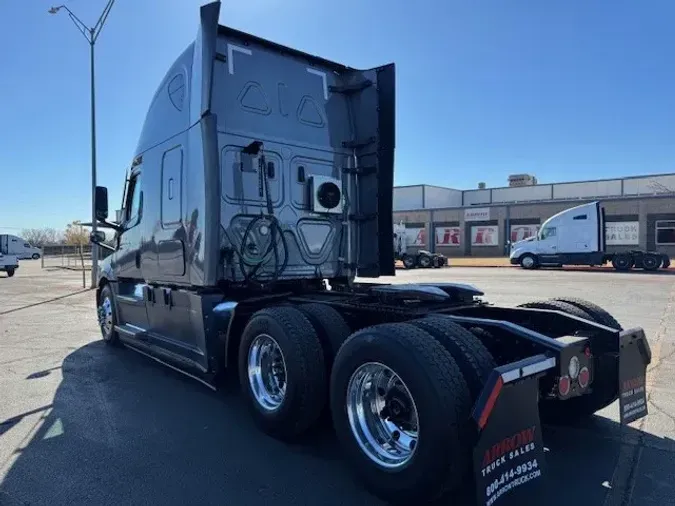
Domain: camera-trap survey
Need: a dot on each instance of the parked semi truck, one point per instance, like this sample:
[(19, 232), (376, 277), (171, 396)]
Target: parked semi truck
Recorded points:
[(576, 236), (411, 259), (9, 263), (19, 247), (257, 206)]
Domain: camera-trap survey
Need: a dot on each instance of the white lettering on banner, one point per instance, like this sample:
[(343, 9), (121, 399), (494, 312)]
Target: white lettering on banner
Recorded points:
[(477, 214), (622, 233), (416, 236), (448, 236), (487, 235), (520, 232)]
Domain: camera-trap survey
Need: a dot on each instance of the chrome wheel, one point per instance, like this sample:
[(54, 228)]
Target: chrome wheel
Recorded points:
[(267, 372), (527, 262), (382, 415), (105, 317)]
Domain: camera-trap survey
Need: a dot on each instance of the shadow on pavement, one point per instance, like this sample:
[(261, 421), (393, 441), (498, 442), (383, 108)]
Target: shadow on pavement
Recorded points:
[(124, 430)]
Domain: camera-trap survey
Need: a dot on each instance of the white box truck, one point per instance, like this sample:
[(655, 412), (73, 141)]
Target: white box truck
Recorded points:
[(576, 236)]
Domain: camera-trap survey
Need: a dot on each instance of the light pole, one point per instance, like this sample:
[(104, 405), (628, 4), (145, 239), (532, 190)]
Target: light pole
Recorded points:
[(91, 34)]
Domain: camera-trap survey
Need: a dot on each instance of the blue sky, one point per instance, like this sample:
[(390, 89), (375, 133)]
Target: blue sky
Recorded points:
[(566, 90)]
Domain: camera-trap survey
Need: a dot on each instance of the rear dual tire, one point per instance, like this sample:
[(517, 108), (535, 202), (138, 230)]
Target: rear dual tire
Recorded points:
[(437, 462), (441, 368), (282, 371), (425, 261), (606, 375)]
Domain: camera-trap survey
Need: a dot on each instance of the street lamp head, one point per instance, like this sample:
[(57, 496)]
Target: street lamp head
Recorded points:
[(54, 10)]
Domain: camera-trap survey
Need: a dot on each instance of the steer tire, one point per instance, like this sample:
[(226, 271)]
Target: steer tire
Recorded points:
[(472, 357), (305, 371), (10, 272), (329, 325), (35, 256), (110, 335), (442, 456), (528, 261), (605, 386)]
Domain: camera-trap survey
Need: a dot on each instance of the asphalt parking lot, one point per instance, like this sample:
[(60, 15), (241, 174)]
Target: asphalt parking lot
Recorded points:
[(81, 423)]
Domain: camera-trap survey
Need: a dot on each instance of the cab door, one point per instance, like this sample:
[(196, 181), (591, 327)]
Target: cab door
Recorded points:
[(131, 287), (547, 242)]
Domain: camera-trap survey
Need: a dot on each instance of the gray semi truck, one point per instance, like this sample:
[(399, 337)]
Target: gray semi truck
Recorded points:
[(257, 206)]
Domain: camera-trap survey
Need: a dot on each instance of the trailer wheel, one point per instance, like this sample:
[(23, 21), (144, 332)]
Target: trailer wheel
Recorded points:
[(665, 263), (424, 261), (528, 261), (437, 262), (329, 325), (623, 262), (409, 261), (471, 355), (10, 272), (107, 316), (419, 389), (651, 262), (282, 372)]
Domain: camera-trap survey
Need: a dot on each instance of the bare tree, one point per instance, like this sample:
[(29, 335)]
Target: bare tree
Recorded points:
[(75, 234), (41, 236)]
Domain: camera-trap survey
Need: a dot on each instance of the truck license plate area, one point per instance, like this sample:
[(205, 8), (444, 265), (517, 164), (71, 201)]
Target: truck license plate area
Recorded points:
[(634, 356)]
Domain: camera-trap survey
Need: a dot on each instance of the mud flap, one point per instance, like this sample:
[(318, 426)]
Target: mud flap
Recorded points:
[(508, 459), (634, 357)]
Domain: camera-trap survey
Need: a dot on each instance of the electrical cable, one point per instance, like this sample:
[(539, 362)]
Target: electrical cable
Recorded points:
[(275, 230)]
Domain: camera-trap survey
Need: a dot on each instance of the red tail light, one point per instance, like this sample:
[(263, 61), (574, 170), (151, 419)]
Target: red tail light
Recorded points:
[(584, 377), (564, 385), (587, 352)]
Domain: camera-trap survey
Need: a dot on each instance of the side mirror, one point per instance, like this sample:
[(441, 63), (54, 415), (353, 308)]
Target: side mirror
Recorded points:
[(97, 237), (101, 203)]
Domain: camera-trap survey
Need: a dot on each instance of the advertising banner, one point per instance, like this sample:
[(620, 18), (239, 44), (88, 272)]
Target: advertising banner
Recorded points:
[(620, 233), (477, 214), (448, 236), (520, 232), (485, 235)]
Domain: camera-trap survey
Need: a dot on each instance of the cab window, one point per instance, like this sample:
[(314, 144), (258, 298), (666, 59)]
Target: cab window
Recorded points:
[(547, 232), (133, 201)]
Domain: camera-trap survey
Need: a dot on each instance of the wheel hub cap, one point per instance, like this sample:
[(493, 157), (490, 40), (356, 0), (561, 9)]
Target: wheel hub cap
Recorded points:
[(382, 415), (105, 316), (267, 372)]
